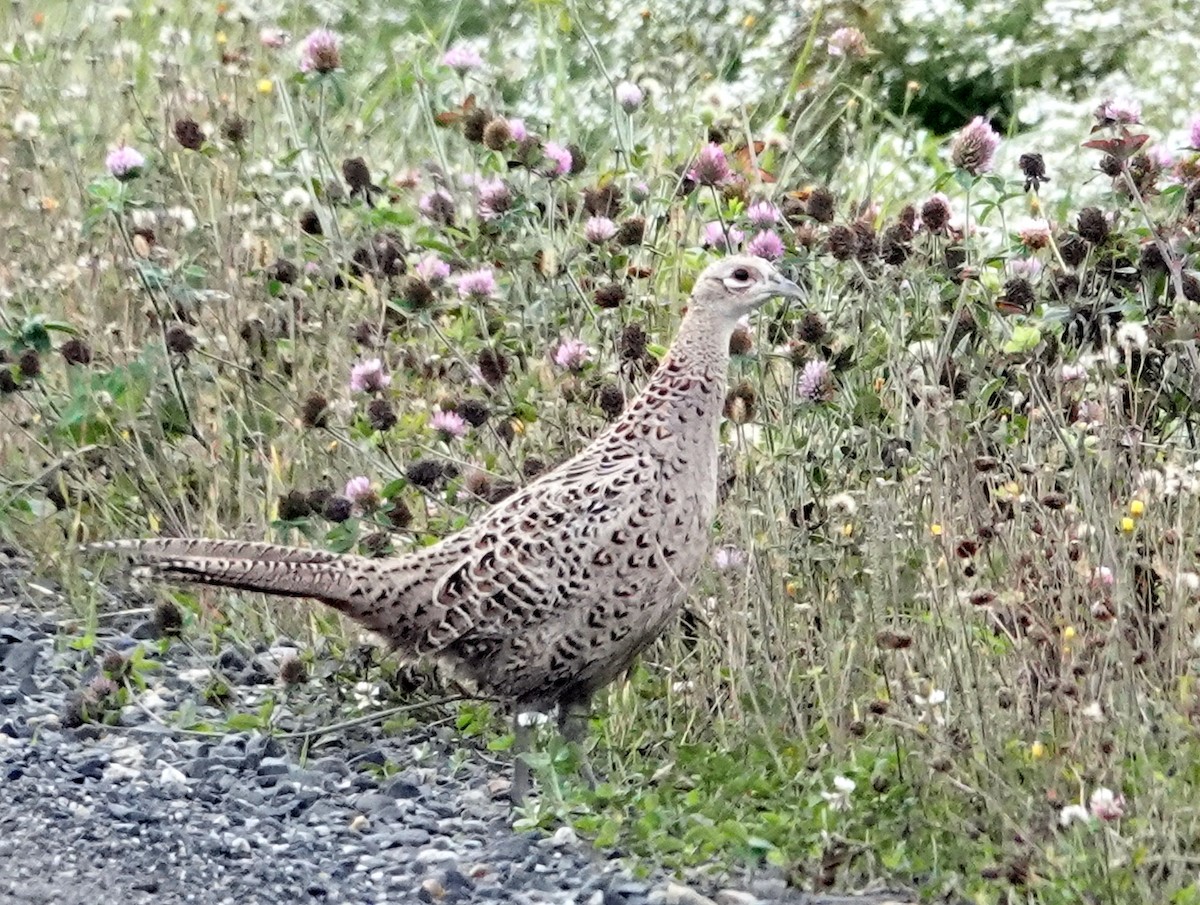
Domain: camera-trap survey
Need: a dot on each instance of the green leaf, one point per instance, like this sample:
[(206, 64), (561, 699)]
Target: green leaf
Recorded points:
[(965, 180), (154, 277), (526, 412), (392, 216), (342, 538), (608, 834), (243, 722), (1025, 338), (503, 743), (392, 488)]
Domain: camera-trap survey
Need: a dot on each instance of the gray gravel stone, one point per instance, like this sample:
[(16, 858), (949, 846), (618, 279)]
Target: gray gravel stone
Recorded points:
[(334, 765), (19, 659), (369, 802), (274, 766), (402, 788), (409, 838)]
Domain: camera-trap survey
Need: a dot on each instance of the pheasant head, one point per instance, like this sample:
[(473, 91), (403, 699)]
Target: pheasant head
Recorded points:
[(731, 288)]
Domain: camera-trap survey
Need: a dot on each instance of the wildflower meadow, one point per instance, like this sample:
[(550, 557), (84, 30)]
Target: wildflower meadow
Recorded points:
[(343, 275)]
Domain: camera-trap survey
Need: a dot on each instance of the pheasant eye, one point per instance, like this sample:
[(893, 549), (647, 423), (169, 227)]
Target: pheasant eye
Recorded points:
[(742, 275)]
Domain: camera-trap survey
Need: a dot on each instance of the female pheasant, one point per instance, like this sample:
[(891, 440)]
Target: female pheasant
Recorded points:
[(553, 592)]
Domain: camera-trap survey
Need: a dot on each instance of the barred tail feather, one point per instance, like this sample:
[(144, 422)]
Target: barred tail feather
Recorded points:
[(333, 581), (180, 547), (393, 597), (332, 578)]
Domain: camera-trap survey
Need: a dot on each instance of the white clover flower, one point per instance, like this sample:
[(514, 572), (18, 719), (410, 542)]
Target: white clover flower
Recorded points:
[(184, 216), (1071, 373), (931, 705), (1034, 232), (27, 125), (844, 503), (366, 695), (1131, 335), (1025, 268), (629, 96), (1105, 804), (295, 197), (1072, 813), (729, 557), (839, 798), (847, 42)]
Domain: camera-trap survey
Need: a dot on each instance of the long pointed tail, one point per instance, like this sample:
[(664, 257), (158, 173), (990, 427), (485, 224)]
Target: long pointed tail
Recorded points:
[(388, 596), (335, 579), (247, 566)]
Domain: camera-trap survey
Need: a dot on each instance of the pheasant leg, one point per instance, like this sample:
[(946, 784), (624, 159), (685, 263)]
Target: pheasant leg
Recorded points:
[(522, 742), (572, 726)]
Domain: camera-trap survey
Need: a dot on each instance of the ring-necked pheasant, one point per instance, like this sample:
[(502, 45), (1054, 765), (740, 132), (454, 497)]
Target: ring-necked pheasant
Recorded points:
[(552, 593)]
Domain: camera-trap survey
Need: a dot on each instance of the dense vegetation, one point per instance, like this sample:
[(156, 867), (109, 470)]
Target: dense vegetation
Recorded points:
[(349, 285)]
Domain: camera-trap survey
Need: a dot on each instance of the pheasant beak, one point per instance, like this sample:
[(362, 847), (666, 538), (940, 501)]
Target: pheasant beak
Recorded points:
[(779, 286), (782, 287)]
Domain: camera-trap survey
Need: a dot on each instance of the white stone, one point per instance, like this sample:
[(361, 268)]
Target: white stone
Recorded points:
[(684, 895), (735, 897), (435, 856), (119, 773)]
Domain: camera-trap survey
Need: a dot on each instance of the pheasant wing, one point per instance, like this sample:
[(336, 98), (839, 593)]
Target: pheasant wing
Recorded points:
[(521, 567)]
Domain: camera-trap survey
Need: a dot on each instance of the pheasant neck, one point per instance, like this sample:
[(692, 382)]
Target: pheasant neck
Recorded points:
[(691, 381), (701, 349), (680, 408)]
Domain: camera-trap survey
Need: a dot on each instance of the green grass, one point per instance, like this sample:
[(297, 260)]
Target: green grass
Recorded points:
[(943, 527)]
